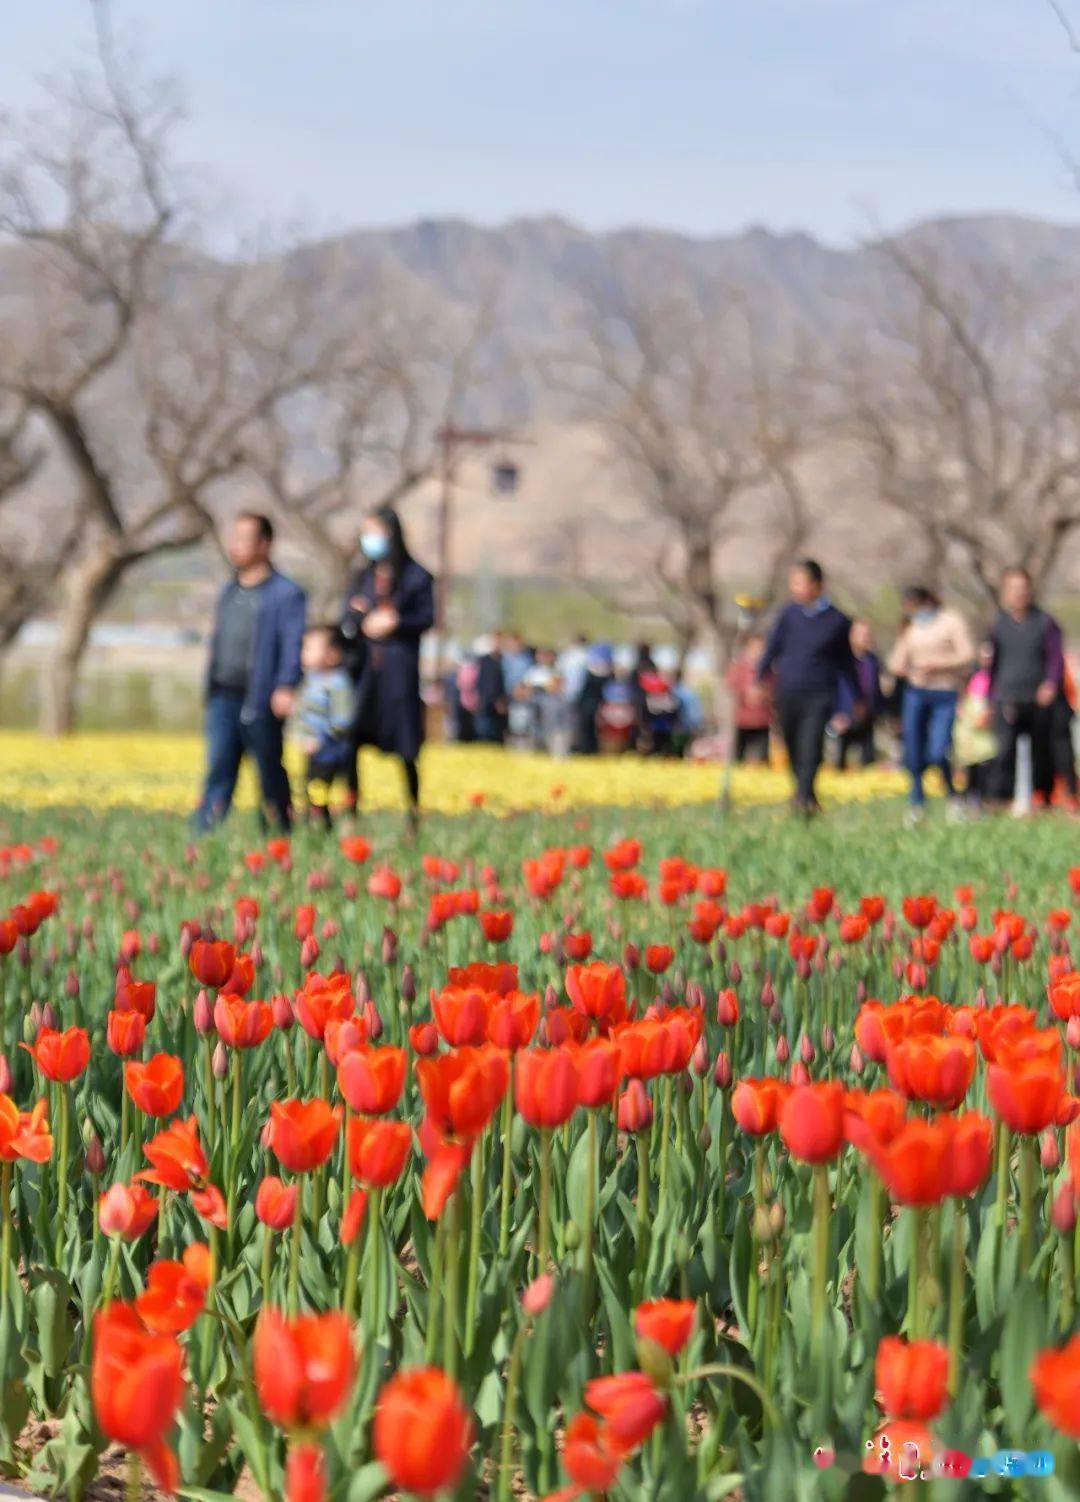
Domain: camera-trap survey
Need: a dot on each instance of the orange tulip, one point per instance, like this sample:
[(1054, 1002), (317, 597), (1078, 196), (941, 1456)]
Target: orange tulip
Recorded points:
[(135, 996), (60, 1056), (461, 1015), (125, 1032), (497, 925), (24, 1134), (936, 1070), (179, 1162), (136, 1382), (599, 1070), (812, 1121), (914, 1165), (592, 1455), (442, 1176), (372, 1079), (513, 1020), (172, 1300), (911, 1377), (629, 1404), (546, 1085), (970, 1152), (305, 1473), (597, 991), (378, 1150), (755, 1104), (157, 1086), (497, 979), (873, 1116), (127, 1210), (462, 1090), (423, 1431), (211, 962), (1055, 1380), (667, 1323), (303, 1133), (919, 911), (658, 957), (304, 1367), (275, 1203), (323, 998), (242, 1024)]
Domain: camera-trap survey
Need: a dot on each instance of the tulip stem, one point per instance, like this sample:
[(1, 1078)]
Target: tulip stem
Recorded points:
[(435, 1292), (665, 1142), (473, 1276), (956, 1294), (873, 1266), (373, 1292), (507, 1172), (62, 1187), (543, 1249), (1027, 1201), (211, 1105), (451, 1268), (345, 1159), (589, 1240), (125, 1118), (5, 1250), (133, 1487), (506, 1455), (642, 1213), (822, 1213), (1067, 1267), (267, 1251), (294, 1249)]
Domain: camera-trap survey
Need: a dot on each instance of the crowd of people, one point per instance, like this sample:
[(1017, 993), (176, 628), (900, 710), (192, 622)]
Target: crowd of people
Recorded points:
[(949, 701), (583, 699), (956, 704)]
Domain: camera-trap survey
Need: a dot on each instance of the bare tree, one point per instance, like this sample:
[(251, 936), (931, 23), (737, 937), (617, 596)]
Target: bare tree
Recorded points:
[(145, 362), (366, 433), (967, 403), (708, 432)]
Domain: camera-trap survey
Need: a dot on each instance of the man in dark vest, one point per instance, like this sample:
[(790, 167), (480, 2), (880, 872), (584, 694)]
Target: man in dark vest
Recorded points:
[(252, 674), (809, 653), (1026, 676)]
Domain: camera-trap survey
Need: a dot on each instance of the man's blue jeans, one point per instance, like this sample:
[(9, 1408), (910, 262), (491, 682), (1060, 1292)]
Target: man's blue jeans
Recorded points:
[(928, 716), (229, 738)]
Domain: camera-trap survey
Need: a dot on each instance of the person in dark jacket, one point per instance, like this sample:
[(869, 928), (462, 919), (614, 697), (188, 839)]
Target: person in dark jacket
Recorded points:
[(861, 723), (1025, 680), (809, 653), (491, 692), (252, 674), (388, 607)]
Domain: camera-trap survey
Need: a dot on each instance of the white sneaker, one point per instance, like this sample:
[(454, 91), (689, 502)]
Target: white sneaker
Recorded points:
[(913, 815)]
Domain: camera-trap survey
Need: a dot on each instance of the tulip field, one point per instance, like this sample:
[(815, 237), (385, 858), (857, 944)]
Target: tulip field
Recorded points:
[(586, 1152)]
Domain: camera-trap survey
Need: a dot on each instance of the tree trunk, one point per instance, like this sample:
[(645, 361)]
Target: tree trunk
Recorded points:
[(89, 586)]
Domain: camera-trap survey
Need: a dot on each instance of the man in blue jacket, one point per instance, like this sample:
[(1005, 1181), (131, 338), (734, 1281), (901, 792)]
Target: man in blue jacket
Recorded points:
[(809, 652), (252, 674)]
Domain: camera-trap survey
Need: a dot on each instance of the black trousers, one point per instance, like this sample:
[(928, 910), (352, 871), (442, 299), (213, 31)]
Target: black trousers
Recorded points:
[(803, 719), (1011, 721), (752, 743), (859, 738)]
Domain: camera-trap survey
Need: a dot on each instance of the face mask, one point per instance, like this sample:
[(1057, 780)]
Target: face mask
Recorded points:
[(923, 617), (375, 546)]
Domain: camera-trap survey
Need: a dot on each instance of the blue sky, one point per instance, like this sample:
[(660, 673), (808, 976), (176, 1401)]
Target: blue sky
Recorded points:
[(703, 115)]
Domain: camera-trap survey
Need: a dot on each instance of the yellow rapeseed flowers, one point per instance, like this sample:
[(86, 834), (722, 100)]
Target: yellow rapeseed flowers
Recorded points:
[(160, 771)]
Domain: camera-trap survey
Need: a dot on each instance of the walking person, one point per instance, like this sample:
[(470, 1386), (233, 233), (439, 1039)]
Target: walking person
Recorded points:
[(862, 719), (1026, 677), (251, 677), (933, 655), (389, 605), (753, 703), (809, 651)]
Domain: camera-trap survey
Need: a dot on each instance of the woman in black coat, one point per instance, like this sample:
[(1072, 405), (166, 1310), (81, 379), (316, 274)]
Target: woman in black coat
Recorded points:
[(389, 604)]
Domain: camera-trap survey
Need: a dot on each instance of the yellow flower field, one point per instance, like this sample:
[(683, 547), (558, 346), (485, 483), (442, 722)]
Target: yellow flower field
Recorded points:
[(156, 771)]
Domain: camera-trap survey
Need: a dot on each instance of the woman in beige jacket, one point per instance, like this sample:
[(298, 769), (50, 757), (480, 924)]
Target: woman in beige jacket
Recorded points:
[(933, 655)]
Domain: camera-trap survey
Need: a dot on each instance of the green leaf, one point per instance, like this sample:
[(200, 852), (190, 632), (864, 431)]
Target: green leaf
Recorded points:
[(1024, 1333)]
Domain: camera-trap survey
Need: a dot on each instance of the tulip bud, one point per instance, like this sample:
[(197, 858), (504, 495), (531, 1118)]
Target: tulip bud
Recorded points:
[(722, 1072), (699, 1059), (32, 1024), (768, 992), (22, 951), (1049, 1152), (408, 984), (683, 1249), (705, 1138), (655, 1362), (783, 1049), (389, 946), (309, 952), (373, 1020), (48, 1016), (727, 1008), (219, 1063), (1063, 1213), (807, 1051), (800, 1075), (203, 1014), (635, 1108), (802, 968), (71, 986), (537, 1296), (551, 997), (281, 1007), (776, 1217), (1072, 1032), (6, 1080), (95, 1155), (828, 1039), (762, 1228), (734, 972), (187, 939), (361, 989), (571, 1236), (856, 1062), (721, 950), (631, 957), (256, 952)]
